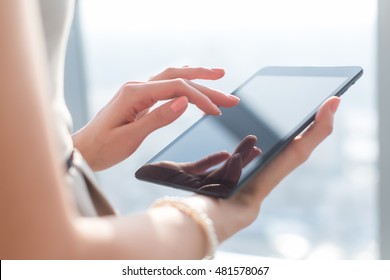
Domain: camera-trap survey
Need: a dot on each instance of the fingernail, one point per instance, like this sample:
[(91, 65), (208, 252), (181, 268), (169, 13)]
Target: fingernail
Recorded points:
[(334, 106), (179, 104), (233, 97), (217, 111), (219, 71)]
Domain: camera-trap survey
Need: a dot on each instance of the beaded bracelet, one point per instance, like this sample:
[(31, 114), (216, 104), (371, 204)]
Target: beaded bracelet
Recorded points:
[(199, 217)]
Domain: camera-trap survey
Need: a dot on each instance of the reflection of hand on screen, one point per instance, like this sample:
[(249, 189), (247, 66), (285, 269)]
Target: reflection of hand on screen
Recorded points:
[(201, 175), (222, 179)]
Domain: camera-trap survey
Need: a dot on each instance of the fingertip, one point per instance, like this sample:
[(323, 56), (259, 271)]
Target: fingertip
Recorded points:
[(332, 103), (234, 98), (335, 104), (252, 137), (215, 111), (257, 151), (328, 108), (179, 104), (219, 72)]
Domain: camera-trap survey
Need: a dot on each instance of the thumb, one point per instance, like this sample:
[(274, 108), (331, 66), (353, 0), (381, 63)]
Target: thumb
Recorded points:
[(161, 116)]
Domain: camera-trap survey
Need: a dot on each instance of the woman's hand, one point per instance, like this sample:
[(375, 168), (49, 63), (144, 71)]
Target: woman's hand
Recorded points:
[(121, 126), (233, 214)]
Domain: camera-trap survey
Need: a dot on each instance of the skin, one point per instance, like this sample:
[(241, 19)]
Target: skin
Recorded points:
[(126, 121), (36, 216)]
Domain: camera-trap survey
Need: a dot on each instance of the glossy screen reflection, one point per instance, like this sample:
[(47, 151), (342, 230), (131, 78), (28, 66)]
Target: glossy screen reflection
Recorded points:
[(218, 153)]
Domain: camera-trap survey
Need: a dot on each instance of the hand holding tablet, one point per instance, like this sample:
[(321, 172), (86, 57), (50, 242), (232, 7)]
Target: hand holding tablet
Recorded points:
[(218, 154)]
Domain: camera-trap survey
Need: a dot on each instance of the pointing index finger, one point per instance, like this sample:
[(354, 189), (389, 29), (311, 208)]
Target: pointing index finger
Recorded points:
[(190, 73)]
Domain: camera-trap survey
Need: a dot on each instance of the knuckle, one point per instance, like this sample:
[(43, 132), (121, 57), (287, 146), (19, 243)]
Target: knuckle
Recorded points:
[(181, 82), (201, 69), (170, 71), (130, 88)]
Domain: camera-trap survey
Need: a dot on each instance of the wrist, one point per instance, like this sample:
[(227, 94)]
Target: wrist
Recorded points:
[(229, 215), (198, 216), (214, 209), (83, 144)]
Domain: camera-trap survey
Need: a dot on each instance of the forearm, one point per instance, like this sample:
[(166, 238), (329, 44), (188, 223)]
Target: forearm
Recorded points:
[(163, 232), (32, 200), (160, 233)]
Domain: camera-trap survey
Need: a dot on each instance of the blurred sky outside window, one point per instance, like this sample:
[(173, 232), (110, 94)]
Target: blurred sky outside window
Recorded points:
[(324, 210)]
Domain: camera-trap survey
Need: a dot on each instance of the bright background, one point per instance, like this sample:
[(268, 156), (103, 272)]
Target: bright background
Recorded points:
[(324, 210)]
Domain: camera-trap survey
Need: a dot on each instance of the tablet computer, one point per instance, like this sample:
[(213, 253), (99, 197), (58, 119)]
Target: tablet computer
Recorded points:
[(218, 154)]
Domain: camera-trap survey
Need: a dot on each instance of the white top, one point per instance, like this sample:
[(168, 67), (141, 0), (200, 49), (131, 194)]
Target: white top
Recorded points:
[(56, 20)]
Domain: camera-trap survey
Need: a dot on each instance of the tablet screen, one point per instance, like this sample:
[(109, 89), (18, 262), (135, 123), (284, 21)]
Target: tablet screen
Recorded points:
[(274, 108)]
